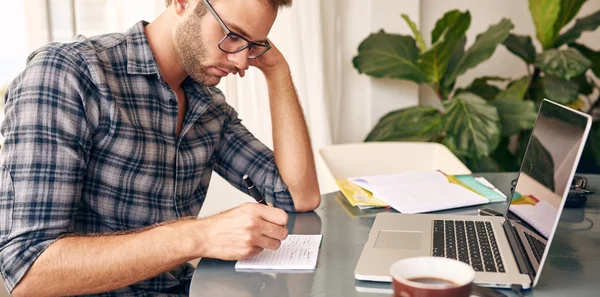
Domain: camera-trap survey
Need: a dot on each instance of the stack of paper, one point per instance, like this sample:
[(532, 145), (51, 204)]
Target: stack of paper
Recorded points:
[(420, 191)]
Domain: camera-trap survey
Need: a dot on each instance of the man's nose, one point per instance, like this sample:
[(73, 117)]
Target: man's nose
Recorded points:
[(239, 59)]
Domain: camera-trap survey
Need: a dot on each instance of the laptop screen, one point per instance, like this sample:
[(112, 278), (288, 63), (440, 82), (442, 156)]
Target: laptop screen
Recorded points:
[(548, 166)]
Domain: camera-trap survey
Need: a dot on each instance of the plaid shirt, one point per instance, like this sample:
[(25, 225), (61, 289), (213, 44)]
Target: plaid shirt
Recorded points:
[(91, 146)]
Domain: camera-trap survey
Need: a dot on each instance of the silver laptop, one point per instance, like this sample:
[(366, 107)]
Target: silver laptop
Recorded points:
[(503, 250)]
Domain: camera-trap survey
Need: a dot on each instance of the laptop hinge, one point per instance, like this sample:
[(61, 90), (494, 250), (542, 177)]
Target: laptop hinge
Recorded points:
[(518, 249)]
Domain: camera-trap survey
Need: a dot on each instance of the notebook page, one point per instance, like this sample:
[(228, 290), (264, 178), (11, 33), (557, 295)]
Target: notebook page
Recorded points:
[(416, 198), (296, 252)]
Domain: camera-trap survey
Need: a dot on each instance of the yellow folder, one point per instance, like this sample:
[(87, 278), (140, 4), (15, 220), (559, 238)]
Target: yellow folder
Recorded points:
[(358, 196)]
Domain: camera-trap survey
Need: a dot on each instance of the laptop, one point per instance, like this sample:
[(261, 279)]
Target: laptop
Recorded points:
[(504, 250)]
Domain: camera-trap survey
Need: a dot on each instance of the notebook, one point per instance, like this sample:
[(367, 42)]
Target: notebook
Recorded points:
[(297, 252), (419, 191)]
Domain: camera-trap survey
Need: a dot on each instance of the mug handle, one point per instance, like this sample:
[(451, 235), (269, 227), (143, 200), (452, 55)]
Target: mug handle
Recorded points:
[(478, 291)]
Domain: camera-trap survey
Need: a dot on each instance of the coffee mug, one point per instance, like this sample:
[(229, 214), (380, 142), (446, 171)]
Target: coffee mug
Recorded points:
[(431, 277)]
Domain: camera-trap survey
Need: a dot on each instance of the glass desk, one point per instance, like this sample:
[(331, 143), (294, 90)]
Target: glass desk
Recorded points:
[(573, 267)]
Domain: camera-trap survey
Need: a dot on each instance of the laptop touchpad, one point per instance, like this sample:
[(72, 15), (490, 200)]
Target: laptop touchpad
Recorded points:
[(403, 240)]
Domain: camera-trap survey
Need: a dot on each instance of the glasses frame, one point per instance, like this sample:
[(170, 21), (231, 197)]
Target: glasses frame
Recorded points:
[(228, 33)]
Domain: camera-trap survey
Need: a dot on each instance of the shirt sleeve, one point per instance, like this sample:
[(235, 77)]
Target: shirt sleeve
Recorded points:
[(239, 153), (42, 160)]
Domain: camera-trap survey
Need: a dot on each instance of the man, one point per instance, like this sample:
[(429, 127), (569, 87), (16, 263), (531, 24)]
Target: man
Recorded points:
[(110, 144)]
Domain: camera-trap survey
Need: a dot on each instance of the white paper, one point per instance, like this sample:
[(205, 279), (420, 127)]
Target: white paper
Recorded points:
[(418, 192), (541, 216), (296, 252)]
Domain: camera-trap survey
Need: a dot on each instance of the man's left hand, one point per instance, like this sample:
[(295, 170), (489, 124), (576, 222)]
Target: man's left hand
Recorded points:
[(270, 61)]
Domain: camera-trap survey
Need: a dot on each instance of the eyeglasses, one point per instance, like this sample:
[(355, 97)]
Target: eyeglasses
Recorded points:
[(234, 43)]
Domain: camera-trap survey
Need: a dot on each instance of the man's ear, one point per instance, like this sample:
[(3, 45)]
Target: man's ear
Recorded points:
[(181, 6)]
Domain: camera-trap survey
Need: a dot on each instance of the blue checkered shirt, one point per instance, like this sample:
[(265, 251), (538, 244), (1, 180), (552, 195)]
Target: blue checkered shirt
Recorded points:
[(91, 146)]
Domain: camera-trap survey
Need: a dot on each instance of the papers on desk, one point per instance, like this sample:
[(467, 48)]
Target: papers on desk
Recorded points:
[(297, 252), (420, 191)]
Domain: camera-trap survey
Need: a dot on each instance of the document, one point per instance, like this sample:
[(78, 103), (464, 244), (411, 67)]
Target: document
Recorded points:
[(419, 191), (541, 215), (297, 252)]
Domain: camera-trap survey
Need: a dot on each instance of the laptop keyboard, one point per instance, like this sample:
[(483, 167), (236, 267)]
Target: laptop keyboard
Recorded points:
[(470, 242), (536, 245)]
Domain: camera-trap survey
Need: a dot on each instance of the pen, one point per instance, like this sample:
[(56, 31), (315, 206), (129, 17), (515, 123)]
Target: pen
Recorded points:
[(489, 212), (253, 190)]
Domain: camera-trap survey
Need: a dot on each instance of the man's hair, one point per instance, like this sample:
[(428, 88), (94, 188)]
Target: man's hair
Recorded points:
[(273, 3)]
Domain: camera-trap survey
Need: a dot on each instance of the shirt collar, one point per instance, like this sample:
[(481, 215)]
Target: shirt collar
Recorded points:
[(140, 59)]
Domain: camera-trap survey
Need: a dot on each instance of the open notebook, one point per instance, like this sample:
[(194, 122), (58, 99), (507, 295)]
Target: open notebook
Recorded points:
[(297, 252), (419, 191)]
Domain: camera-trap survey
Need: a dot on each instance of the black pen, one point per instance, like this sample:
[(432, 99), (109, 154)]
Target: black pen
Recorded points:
[(253, 190), (489, 212)]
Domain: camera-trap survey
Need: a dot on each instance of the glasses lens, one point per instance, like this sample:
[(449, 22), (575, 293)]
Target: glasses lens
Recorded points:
[(256, 50), (232, 43)]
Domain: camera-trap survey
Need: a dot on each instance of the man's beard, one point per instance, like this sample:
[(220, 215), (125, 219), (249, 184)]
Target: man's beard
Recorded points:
[(192, 51)]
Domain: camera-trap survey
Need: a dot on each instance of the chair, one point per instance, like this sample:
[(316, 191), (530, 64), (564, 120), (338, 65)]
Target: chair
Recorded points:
[(373, 158)]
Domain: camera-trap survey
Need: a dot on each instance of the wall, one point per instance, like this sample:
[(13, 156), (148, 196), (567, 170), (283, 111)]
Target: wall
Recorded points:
[(357, 101)]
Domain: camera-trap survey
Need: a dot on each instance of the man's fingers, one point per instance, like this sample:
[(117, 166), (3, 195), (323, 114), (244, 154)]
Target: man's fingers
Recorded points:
[(274, 231), (255, 251), (267, 243), (273, 215)]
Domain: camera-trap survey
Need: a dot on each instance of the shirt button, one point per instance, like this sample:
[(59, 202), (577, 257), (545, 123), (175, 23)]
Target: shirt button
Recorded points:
[(178, 198)]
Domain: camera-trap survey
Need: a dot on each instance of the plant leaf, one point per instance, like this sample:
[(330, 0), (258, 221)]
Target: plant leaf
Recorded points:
[(416, 32), (588, 23), (515, 115), (481, 88), (448, 20), (472, 126), (593, 143), (536, 89), (418, 123), (483, 48), (559, 90), (521, 46), (516, 90), (545, 14), (434, 62), (459, 51), (593, 56), (585, 87), (568, 10), (565, 64), (484, 164), (504, 157), (577, 104), (389, 55)]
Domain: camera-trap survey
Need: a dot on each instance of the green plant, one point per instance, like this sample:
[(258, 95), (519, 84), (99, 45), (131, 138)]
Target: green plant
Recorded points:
[(487, 123), (563, 72), (467, 124)]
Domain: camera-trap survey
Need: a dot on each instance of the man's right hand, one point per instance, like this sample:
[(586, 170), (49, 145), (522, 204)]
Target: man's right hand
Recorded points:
[(243, 231)]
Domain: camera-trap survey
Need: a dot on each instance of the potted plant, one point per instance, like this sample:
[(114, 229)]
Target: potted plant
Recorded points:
[(487, 123), (468, 124), (563, 71)]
